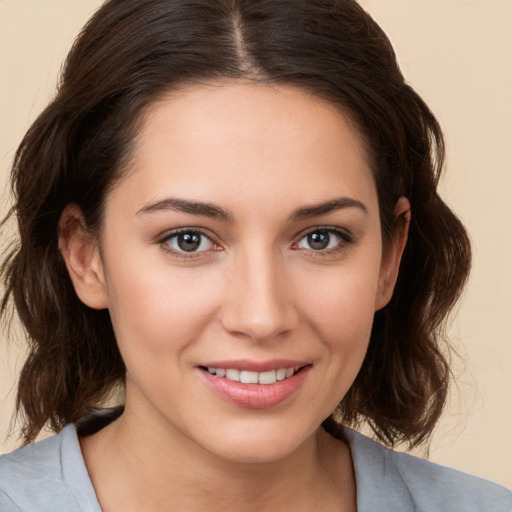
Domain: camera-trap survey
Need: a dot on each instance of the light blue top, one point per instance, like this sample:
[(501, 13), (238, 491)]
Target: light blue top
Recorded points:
[(50, 476)]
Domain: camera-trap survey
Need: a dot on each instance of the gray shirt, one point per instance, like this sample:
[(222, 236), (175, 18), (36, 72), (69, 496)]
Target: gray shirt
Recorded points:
[(51, 476)]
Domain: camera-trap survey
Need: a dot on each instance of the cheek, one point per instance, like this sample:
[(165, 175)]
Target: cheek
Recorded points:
[(160, 309), (341, 305), (339, 311)]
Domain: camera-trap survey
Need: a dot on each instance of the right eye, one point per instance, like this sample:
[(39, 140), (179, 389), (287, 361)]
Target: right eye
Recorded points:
[(187, 241)]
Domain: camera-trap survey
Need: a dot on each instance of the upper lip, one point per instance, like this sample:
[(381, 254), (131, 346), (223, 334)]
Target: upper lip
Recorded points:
[(256, 366)]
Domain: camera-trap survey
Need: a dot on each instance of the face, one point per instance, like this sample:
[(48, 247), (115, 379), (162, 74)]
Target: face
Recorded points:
[(241, 260)]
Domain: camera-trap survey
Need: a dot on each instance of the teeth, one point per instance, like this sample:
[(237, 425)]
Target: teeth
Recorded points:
[(267, 377), (247, 377), (233, 375)]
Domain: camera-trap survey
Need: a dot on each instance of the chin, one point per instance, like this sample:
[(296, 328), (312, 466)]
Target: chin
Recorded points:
[(259, 445)]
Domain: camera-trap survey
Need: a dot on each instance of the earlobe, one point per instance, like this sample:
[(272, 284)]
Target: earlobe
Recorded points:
[(392, 254), (81, 254)]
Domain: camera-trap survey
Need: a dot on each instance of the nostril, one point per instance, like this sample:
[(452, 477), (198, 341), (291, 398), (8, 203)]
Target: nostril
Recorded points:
[(259, 324)]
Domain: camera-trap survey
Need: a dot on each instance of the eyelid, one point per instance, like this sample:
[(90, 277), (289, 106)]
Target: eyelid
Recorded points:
[(343, 232), (346, 236), (163, 239)]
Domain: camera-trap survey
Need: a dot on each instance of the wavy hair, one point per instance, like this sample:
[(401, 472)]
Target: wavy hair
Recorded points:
[(128, 55)]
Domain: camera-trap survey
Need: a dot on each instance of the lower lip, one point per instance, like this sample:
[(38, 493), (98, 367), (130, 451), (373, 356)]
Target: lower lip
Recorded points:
[(255, 396)]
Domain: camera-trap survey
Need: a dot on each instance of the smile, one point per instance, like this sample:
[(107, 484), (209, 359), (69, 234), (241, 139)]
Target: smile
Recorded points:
[(249, 377), (255, 385)]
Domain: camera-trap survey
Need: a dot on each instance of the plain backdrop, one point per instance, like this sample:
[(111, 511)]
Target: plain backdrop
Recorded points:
[(458, 55)]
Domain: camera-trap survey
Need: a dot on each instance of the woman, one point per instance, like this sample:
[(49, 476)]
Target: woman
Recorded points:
[(213, 211)]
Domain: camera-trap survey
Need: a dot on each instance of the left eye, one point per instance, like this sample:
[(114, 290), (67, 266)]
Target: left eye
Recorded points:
[(189, 241), (320, 240)]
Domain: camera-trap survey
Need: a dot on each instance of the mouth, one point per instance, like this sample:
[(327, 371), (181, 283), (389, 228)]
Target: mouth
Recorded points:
[(255, 386), (265, 378)]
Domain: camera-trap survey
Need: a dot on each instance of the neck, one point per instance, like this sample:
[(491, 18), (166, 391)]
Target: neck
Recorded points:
[(141, 464)]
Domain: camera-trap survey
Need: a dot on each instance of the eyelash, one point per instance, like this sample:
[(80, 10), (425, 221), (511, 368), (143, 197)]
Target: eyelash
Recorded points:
[(164, 242), (345, 239)]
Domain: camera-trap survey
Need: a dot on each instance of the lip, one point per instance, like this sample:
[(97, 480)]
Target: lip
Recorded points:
[(256, 396), (256, 366)]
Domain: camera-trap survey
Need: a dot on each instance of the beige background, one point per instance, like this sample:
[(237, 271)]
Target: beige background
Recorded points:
[(458, 55)]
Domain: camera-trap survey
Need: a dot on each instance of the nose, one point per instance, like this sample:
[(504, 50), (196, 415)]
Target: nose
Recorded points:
[(259, 300)]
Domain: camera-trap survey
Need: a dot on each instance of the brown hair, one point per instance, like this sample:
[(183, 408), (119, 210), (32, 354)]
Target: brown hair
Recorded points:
[(128, 55)]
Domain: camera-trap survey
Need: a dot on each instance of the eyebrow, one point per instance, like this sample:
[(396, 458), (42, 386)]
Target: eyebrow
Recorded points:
[(186, 206), (213, 211), (339, 203)]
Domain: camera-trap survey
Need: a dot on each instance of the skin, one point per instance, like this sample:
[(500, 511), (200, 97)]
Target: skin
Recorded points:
[(255, 290)]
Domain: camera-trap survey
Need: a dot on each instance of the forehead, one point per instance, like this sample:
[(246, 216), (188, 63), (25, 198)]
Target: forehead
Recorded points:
[(249, 142)]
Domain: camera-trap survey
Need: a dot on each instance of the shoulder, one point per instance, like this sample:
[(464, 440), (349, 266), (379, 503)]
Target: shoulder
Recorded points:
[(404, 482), (50, 473)]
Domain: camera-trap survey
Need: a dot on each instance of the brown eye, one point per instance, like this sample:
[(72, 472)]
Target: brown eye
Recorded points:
[(324, 239), (319, 241), (189, 241)]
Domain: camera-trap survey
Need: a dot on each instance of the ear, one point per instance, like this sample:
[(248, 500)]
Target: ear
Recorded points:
[(81, 254), (392, 253)]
